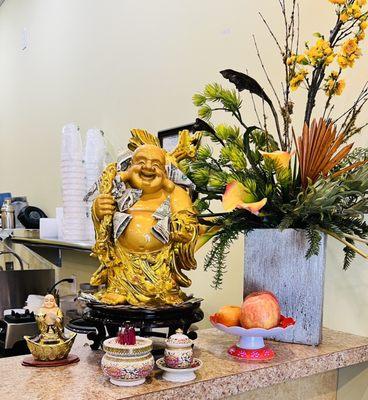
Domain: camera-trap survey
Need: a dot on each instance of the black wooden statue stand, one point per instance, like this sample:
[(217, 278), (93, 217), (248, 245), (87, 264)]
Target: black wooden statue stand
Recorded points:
[(108, 319)]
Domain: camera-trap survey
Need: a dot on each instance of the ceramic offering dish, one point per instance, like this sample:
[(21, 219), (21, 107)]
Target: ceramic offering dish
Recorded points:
[(251, 346), (179, 374), (179, 352), (127, 364)]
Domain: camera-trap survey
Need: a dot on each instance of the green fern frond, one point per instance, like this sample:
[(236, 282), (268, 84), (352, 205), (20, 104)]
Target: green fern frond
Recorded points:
[(314, 239), (286, 222), (201, 205), (349, 255), (216, 259)]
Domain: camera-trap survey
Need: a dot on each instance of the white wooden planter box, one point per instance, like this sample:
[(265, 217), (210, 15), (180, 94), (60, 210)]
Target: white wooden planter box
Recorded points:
[(275, 260)]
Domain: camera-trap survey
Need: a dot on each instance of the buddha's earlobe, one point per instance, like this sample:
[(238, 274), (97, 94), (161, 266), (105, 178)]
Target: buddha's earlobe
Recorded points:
[(168, 185)]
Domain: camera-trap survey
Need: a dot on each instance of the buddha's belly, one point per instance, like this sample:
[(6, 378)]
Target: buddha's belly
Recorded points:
[(138, 236)]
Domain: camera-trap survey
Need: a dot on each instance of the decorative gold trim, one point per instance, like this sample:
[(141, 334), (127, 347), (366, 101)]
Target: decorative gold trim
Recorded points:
[(127, 360), (139, 350)]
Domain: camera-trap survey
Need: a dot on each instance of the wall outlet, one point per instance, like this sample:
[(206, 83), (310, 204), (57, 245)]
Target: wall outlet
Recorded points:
[(9, 266)]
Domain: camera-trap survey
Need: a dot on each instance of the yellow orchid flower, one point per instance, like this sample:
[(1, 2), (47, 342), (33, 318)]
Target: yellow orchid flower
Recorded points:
[(281, 158), (237, 196)]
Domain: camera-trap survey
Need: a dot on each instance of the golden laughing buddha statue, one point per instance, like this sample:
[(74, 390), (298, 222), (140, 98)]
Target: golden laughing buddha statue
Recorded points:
[(146, 228)]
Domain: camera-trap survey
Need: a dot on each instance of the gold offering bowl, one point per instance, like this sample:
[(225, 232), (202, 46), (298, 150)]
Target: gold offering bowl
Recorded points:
[(50, 352)]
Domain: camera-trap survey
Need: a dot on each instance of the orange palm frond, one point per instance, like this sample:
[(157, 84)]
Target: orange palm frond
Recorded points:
[(319, 150), (349, 168)]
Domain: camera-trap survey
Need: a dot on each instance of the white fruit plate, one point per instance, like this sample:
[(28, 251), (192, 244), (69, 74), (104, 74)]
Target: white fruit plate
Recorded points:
[(251, 346)]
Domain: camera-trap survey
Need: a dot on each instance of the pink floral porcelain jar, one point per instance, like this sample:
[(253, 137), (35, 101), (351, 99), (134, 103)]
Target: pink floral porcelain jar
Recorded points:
[(179, 352), (127, 365)]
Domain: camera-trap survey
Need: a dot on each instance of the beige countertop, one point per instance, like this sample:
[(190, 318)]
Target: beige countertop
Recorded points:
[(220, 376)]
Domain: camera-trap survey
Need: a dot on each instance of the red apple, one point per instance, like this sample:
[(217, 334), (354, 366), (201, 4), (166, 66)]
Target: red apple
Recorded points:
[(260, 310), (229, 315)]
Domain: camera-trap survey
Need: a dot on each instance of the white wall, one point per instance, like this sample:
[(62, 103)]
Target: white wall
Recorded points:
[(120, 64)]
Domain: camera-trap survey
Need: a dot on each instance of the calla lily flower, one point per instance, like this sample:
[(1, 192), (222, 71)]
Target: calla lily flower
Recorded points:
[(254, 207), (237, 196), (281, 158)]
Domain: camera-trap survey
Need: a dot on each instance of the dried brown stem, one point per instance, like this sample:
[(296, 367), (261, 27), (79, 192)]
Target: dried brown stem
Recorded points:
[(254, 106), (289, 24), (265, 71), (264, 116), (255, 109), (298, 31), (362, 98), (272, 34), (273, 110)]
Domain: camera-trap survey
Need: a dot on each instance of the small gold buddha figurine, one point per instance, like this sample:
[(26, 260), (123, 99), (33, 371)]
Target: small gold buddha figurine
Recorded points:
[(51, 343), (50, 322), (146, 228)]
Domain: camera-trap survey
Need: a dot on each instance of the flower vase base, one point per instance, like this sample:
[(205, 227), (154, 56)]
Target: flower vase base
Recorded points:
[(119, 382), (262, 354)]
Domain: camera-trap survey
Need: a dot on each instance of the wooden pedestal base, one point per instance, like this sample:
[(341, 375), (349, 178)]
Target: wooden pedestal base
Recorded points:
[(29, 361)]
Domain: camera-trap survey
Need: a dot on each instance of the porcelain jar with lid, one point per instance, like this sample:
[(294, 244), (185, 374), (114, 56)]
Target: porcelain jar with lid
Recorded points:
[(127, 365), (179, 351)]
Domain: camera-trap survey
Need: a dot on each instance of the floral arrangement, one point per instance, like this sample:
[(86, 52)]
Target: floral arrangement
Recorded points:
[(264, 174)]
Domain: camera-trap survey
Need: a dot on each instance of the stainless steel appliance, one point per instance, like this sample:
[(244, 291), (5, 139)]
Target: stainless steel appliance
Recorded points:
[(13, 327), (7, 215), (30, 275), (15, 286)]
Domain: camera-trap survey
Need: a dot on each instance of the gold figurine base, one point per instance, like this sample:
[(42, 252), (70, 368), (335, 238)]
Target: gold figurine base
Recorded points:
[(50, 352)]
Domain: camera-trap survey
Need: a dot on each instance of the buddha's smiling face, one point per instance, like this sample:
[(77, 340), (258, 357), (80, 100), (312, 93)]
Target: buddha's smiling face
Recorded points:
[(148, 169), (49, 301)]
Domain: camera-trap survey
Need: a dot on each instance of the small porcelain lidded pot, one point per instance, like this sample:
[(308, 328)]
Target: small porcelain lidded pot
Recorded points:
[(179, 352)]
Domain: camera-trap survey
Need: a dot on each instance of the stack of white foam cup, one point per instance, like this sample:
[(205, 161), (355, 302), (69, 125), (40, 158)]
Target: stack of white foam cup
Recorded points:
[(73, 184), (94, 158)]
